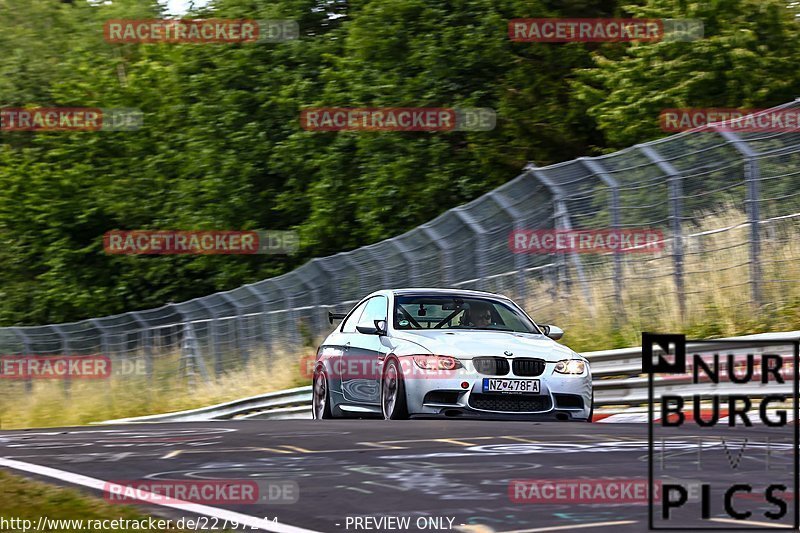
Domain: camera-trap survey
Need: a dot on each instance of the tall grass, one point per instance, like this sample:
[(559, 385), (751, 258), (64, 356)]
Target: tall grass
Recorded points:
[(718, 298), (56, 403)]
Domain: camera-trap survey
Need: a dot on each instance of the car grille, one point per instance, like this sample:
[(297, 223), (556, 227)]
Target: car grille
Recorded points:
[(528, 367), (509, 402), (491, 366)]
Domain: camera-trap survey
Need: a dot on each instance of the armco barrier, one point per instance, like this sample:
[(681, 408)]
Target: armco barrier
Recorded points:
[(285, 402), (618, 382), (618, 378)]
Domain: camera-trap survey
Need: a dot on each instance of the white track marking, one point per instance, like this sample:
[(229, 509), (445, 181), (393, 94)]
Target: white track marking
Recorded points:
[(173, 453), (456, 442), (749, 523), (99, 484), (383, 446), (574, 526)]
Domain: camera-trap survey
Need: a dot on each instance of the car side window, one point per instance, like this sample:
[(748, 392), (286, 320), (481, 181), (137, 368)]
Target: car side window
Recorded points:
[(349, 325), (510, 319), (376, 310)]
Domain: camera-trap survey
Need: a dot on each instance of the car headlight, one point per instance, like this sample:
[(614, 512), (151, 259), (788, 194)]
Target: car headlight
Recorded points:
[(436, 362), (570, 366)]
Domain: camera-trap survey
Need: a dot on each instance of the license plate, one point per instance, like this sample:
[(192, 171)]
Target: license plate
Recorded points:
[(517, 386)]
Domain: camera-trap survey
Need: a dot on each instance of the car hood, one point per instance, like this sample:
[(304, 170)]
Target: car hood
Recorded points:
[(469, 344)]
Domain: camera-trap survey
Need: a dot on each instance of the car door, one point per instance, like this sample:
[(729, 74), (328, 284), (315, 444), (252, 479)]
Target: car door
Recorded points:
[(339, 344), (364, 360)]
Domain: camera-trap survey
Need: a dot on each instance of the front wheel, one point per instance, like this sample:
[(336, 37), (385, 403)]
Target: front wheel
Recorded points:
[(591, 409), (321, 398), (393, 393)]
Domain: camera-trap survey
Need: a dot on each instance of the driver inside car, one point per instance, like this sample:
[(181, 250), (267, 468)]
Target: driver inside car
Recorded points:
[(479, 315)]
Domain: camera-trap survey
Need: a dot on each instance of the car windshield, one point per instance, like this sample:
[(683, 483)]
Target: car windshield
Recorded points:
[(459, 312)]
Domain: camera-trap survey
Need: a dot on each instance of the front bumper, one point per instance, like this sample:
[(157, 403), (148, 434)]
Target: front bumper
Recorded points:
[(561, 397)]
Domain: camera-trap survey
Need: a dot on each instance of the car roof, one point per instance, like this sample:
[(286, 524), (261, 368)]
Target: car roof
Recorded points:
[(425, 291)]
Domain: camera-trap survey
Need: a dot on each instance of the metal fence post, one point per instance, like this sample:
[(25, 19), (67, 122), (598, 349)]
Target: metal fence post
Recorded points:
[(147, 344), (675, 218), (444, 254), (480, 237), (190, 356), (333, 286), (183, 322), (265, 322), (309, 328), (261, 306), (598, 170), (213, 336), (26, 345), (519, 259), (104, 345), (405, 254), (357, 267), (386, 280), (106, 348), (244, 347), (65, 352), (752, 177), (562, 221), (291, 311), (334, 290)]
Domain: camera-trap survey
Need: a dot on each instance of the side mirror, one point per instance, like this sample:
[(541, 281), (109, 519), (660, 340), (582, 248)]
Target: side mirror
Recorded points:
[(554, 332), (378, 329)]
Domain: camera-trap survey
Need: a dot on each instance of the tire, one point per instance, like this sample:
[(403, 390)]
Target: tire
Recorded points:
[(393, 392), (591, 409), (321, 398)]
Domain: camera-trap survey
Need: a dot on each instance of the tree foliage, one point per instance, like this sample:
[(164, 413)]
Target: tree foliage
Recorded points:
[(222, 147)]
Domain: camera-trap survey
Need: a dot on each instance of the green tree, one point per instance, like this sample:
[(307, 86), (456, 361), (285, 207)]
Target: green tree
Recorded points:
[(744, 60)]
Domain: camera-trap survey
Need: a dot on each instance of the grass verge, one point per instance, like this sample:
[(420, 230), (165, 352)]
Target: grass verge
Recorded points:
[(26, 499), (54, 403)]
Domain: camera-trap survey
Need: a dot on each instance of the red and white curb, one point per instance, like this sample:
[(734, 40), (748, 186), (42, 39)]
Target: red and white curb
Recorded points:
[(639, 416)]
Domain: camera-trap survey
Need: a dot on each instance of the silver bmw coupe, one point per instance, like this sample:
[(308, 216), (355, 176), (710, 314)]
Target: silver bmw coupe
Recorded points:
[(422, 353)]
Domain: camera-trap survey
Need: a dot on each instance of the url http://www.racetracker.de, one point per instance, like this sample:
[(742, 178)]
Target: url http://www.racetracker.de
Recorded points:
[(45, 524)]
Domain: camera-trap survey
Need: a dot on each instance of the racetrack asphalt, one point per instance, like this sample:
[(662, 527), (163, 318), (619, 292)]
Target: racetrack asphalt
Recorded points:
[(454, 471)]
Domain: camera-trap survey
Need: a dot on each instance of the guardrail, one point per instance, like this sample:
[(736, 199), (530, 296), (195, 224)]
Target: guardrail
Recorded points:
[(618, 381), (283, 403), (618, 378)]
